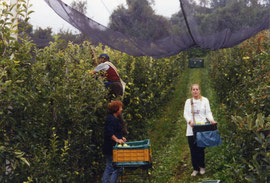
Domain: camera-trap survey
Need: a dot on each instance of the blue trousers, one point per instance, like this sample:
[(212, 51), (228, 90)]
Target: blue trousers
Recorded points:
[(111, 173)]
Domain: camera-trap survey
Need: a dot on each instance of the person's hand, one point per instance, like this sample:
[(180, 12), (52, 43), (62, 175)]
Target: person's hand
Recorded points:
[(93, 72), (120, 141), (191, 123), (124, 139), (213, 122)]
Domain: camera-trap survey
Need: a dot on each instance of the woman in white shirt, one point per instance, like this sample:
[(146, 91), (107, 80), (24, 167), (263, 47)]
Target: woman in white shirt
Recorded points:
[(201, 112)]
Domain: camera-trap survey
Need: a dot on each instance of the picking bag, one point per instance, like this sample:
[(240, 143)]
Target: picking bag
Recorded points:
[(206, 135)]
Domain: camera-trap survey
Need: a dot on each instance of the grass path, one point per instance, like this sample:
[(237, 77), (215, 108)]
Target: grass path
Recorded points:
[(171, 157)]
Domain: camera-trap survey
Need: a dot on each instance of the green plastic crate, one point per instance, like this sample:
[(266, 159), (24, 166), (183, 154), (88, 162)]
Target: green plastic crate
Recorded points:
[(196, 63), (137, 153)]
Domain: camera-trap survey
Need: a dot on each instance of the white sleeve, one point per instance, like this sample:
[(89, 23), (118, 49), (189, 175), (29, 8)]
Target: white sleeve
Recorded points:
[(102, 67), (187, 111), (208, 112)]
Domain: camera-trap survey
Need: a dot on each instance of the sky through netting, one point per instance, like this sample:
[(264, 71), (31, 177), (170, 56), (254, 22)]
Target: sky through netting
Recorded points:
[(135, 29)]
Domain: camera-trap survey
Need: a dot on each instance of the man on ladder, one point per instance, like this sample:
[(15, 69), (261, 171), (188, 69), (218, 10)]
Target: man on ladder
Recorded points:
[(113, 80)]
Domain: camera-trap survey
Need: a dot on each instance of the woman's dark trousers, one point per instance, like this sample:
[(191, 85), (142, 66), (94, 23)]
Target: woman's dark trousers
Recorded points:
[(197, 154)]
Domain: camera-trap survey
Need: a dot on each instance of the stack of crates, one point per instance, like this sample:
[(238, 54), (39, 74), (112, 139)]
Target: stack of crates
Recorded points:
[(136, 153)]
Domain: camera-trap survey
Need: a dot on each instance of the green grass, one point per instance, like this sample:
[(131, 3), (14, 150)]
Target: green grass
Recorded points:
[(168, 136)]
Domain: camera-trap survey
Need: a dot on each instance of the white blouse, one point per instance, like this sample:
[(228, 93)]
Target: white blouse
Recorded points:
[(201, 112)]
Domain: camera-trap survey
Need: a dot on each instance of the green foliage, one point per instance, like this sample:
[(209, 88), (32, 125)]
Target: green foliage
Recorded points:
[(197, 52), (80, 6), (139, 20), (149, 83), (228, 15), (66, 36), (52, 109), (241, 77)]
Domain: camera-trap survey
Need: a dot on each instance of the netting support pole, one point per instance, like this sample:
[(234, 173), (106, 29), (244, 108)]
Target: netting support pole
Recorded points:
[(15, 16)]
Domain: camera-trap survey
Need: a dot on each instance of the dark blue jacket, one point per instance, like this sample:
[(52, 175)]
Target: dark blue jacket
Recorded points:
[(112, 127)]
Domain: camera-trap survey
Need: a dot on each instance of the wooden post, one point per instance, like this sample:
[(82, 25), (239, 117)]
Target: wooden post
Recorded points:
[(9, 163), (15, 15)]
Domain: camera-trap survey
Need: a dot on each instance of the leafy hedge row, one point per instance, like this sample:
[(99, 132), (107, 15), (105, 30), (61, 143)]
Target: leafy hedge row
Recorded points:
[(52, 110), (241, 77)]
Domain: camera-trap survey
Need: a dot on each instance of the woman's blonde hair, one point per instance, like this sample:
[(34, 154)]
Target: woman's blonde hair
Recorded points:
[(195, 84)]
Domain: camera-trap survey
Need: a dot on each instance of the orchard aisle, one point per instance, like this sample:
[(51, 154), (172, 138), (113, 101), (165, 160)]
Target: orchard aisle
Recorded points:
[(171, 158)]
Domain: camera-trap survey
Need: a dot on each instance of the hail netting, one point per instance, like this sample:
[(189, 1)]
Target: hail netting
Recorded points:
[(136, 30)]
